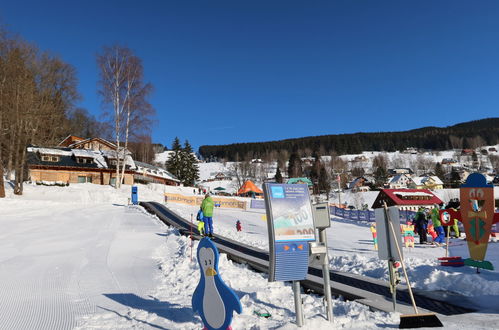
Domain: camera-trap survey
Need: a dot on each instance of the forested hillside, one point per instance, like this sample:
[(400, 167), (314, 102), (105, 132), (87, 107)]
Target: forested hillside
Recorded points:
[(464, 135)]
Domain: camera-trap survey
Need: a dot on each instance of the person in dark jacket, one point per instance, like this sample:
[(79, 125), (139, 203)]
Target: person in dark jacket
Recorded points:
[(420, 225)]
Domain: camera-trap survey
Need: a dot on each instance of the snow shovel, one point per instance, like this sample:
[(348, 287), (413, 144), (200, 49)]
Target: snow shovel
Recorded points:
[(429, 320)]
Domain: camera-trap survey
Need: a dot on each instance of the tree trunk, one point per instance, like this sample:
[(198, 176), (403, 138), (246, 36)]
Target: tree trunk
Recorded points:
[(2, 186)]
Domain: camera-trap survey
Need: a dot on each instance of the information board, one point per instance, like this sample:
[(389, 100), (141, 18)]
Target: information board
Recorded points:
[(290, 225), (290, 212)]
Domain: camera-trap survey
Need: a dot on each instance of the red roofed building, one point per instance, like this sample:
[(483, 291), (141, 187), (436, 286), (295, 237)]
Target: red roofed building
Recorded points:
[(406, 199)]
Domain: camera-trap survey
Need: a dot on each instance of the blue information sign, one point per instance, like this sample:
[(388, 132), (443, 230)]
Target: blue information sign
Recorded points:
[(290, 226)]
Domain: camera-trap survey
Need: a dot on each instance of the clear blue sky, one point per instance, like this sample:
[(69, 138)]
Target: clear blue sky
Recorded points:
[(244, 71)]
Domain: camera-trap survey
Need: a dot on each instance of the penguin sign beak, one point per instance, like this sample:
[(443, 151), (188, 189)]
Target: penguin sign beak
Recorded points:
[(210, 271)]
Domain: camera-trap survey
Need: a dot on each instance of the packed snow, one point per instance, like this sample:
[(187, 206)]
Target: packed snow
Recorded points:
[(79, 257)]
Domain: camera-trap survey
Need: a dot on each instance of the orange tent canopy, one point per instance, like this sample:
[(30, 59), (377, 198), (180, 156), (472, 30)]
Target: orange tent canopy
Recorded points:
[(249, 186)]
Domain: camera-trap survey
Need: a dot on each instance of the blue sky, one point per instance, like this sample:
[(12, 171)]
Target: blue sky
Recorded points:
[(245, 71)]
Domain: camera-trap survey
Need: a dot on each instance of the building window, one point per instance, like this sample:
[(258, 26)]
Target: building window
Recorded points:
[(84, 179), (47, 158), (84, 160)]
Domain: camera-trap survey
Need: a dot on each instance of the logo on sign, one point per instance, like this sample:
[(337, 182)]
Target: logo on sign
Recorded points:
[(277, 192)]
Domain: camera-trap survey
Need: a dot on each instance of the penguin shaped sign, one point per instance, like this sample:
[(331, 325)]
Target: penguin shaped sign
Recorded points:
[(213, 299)]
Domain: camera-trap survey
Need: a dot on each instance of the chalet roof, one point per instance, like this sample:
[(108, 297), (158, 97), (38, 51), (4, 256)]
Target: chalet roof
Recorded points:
[(421, 180), (300, 180), (397, 178), (155, 171), (66, 158), (68, 140), (100, 140), (402, 197)]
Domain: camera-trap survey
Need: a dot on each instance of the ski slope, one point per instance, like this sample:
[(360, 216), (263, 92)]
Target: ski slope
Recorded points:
[(78, 258)]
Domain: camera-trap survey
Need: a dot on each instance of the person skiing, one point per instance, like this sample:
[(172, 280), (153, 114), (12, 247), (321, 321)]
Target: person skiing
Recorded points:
[(238, 226), (437, 225), (420, 224), (207, 207), (200, 218)]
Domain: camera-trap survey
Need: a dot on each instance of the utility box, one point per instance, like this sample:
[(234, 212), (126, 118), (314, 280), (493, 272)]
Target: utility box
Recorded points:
[(135, 195), (322, 218)]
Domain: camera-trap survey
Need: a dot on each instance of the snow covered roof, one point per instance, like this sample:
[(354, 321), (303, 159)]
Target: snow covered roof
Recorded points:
[(156, 171), (406, 197), (421, 180), (51, 151), (416, 193), (67, 154)]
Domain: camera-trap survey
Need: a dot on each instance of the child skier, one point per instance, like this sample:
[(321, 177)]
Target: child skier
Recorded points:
[(420, 224), (199, 218), (238, 226)]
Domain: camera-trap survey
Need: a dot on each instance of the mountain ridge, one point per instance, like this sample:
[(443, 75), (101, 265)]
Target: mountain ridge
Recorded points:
[(469, 134)]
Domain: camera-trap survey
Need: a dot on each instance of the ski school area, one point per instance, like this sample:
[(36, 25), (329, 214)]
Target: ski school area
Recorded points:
[(81, 257)]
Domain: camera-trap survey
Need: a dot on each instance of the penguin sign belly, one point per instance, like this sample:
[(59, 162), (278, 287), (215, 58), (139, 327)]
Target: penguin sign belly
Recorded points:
[(213, 305)]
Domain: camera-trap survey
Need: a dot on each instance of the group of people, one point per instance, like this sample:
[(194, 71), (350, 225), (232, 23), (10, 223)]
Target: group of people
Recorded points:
[(422, 226), (205, 217)]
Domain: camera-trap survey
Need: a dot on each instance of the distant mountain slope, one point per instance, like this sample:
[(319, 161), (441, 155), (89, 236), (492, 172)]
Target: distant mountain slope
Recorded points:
[(470, 134)]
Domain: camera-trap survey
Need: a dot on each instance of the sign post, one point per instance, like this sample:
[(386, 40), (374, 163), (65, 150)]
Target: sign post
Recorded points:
[(290, 227), (322, 221), (387, 244)]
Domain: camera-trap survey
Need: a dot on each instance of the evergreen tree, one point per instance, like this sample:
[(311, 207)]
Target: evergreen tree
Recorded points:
[(380, 176), (314, 173), (455, 179), (295, 167), (324, 182), (278, 176), (189, 172), (173, 164), (439, 171)]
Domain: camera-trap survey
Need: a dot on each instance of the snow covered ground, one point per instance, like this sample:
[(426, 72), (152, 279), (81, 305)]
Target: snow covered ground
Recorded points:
[(77, 257)]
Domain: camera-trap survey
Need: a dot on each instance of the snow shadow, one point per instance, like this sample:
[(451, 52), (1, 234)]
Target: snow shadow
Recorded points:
[(164, 309)]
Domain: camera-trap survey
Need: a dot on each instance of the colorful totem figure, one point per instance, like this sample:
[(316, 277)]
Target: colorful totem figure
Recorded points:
[(375, 236), (408, 234), (477, 216)]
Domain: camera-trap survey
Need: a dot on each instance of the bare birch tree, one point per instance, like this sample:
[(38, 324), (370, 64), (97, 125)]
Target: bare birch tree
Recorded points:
[(123, 90)]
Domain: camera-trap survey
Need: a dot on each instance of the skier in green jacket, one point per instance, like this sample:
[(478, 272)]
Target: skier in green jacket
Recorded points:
[(207, 207)]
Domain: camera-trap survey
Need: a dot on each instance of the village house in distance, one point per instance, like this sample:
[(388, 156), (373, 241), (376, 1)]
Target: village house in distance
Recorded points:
[(93, 160)]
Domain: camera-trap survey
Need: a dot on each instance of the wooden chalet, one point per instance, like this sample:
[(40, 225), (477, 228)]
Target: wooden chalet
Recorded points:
[(66, 165), (406, 199), (147, 173), (361, 183), (400, 181), (94, 160)]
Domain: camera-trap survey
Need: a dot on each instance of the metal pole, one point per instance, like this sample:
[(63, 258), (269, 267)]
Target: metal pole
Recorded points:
[(393, 285), (325, 276), (447, 242), (339, 190), (192, 238), (298, 303)]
